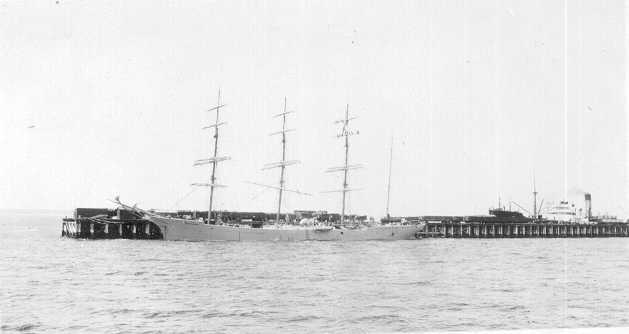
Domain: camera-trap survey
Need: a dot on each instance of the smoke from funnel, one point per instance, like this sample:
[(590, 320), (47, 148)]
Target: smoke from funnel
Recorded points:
[(576, 191)]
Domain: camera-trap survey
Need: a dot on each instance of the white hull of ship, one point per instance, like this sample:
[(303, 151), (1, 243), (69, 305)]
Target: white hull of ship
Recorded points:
[(190, 230)]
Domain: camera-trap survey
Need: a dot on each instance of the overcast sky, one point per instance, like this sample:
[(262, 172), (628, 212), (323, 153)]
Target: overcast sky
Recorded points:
[(99, 99)]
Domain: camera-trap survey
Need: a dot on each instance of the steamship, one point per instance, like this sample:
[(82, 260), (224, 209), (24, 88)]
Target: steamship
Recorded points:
[(568, 212)]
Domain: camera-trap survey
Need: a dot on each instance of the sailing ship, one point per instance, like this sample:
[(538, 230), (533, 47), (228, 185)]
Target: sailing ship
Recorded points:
[(213, 229)]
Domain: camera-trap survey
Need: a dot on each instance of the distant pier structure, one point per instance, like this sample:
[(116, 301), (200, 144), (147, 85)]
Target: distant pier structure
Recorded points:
[(560, 221), (511, 224)]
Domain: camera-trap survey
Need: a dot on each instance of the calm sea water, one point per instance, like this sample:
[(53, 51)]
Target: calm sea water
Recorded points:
[(50, 284)]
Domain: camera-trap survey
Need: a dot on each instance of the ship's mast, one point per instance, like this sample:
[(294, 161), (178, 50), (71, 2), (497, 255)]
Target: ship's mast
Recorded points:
[(283, 166), (345, 132), (389, 182), (214, 159), (213, 176)]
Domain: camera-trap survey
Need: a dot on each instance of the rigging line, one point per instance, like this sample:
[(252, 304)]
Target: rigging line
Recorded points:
[(255, 196), (184, 197)]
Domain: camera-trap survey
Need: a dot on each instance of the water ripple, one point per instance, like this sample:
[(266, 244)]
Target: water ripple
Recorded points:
[(55, 285)]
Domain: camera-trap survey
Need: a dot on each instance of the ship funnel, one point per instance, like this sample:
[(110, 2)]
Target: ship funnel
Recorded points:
[(588, 205)]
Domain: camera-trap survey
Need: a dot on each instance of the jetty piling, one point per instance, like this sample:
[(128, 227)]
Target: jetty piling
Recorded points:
[(545, 229), (107, 224)]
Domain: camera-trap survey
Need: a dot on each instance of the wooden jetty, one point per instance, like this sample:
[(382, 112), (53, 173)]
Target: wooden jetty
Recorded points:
[(544, 229), (502, 223), (89, 223)]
